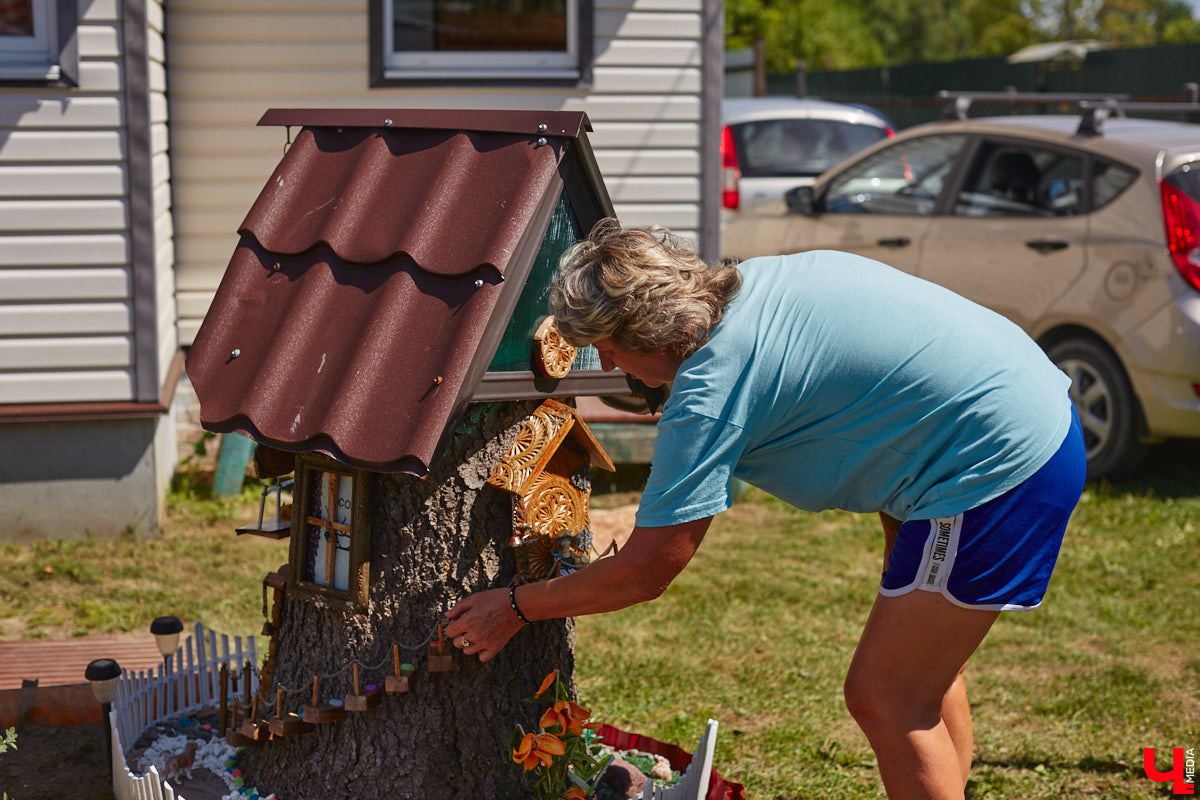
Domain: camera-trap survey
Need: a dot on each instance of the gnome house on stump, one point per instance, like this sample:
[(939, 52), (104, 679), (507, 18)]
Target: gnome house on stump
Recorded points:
[(383, 322)]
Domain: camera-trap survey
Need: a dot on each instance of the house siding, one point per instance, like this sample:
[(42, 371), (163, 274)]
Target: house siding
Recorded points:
[(231, 60), (68, 323), (88, 319)]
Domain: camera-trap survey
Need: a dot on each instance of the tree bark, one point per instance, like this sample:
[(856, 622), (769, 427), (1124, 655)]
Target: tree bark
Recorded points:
[(433, 541)]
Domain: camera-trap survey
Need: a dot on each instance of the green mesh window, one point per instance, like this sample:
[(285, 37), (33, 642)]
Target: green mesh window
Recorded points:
[(516, 347)]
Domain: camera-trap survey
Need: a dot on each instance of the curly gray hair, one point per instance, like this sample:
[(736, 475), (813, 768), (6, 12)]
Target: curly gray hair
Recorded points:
[(641, 287)]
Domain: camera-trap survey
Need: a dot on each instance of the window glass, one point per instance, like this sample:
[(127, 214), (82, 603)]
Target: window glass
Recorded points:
[(481, 38), (16, 18), (30, 42), (792, 147), (440, 25), (905, 178), (516, 346), (1020, 181), (328, 524), (1187, 180), (1108, 181)]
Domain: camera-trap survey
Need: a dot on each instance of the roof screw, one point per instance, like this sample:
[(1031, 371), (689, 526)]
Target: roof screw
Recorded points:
[(542, 127), (237, 351), (541, 142), (479, 283), (387, 123), (437, 380)]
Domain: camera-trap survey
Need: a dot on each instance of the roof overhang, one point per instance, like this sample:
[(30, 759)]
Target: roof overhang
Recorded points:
[(376, 274)]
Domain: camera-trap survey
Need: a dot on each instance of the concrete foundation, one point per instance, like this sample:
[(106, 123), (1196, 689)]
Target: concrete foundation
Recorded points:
[(85, 479)]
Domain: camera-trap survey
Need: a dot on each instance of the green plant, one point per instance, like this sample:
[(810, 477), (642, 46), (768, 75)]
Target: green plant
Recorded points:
[(557, 762), (9, 740)]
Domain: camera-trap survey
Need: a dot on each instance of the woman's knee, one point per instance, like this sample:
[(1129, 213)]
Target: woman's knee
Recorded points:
[(875, 702)]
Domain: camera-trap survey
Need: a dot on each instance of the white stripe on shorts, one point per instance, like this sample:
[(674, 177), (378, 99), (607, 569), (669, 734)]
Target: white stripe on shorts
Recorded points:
[(941, 547)]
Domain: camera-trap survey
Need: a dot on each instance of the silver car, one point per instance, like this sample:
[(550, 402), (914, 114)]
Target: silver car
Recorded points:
[(771, 144), (1083, 230)]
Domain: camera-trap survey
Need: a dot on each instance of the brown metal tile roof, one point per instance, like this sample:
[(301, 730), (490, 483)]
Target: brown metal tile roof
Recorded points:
[(375, 275)]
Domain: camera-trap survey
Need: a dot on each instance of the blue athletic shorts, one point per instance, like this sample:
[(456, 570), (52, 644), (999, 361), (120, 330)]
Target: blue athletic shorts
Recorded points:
[(997, 556)]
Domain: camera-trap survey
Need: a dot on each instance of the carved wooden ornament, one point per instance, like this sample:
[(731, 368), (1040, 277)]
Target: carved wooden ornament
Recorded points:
[(542, 471), (552, 355)]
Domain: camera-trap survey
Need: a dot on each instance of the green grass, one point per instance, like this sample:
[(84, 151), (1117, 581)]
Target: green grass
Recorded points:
[(758, 632), (198, 569)]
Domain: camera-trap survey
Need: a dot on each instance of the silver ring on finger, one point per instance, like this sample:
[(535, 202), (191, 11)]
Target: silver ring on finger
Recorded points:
[(465, 643)]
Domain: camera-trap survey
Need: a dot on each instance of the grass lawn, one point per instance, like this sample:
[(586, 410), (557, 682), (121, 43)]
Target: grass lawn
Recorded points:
[(760, 628)]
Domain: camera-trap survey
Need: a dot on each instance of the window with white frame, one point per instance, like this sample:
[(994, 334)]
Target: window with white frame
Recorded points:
[(34, 35), (484, 40)]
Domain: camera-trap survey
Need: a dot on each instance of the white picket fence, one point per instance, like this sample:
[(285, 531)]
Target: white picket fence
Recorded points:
[(192, 683)]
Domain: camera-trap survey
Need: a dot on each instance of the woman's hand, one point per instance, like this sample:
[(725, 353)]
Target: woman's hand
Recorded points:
[(639, 572), (485, 621)]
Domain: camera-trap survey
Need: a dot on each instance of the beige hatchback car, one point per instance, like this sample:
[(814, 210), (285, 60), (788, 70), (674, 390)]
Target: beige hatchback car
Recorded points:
[(1083, 229)]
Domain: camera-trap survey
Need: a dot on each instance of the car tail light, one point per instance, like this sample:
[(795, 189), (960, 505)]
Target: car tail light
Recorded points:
[(730, 173), (891, 134), (1181, 215)]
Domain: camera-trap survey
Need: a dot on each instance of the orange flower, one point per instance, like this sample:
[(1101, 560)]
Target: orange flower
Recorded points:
[(547, 682), (549, 745), (524, 754), (553, 719), (572, 716), (574, 793), (537, 749)]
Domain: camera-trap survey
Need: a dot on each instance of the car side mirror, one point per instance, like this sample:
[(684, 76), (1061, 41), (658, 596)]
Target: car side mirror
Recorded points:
[(800, 200)]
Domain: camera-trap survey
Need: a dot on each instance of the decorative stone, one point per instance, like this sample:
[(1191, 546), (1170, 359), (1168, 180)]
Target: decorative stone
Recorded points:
[(624, 778)]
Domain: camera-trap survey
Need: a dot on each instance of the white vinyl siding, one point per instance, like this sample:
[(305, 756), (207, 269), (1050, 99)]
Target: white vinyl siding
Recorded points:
[(66, 277), (65, 318), (160, 188), (234, 59)]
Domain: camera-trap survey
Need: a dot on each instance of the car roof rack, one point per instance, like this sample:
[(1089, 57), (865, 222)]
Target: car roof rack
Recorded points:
[(1095, 113), (958, 103)]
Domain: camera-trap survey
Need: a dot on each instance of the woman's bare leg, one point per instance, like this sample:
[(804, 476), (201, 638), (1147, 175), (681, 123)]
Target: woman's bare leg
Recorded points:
[(904, 682)]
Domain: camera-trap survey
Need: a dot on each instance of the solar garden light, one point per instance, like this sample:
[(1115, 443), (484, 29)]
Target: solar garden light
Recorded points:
[(102, 674), (166, 632)]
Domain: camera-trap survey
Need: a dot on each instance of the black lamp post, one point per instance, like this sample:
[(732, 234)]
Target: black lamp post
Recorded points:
[(102, 674), (166, 635)]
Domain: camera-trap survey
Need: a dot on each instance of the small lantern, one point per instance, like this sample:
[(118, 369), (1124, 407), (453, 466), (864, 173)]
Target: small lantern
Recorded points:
[(102, 674), (277, 528), (166, 632)]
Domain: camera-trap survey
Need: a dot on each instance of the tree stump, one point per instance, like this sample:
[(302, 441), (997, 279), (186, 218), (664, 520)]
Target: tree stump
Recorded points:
[(433, 541)]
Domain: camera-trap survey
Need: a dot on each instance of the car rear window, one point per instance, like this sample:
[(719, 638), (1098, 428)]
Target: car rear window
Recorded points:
[(798, 147), (1187, 180)]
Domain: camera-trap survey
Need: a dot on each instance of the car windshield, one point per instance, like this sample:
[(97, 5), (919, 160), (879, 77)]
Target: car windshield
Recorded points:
[(799, 147)]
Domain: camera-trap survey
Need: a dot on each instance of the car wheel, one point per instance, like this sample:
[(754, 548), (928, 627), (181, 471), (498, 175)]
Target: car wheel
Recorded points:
[(1106, 405)]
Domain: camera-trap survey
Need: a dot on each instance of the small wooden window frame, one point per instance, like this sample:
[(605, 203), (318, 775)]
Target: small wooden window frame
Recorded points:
[(355, 596)]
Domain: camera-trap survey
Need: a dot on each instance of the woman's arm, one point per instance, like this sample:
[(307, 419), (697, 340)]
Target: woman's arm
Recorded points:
[(640, 571)]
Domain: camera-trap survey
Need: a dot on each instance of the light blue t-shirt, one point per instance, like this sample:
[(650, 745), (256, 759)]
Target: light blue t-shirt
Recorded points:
[(836, 381)]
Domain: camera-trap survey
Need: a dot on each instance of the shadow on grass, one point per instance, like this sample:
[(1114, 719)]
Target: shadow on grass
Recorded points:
[(1097, 766), (1169, 471)]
